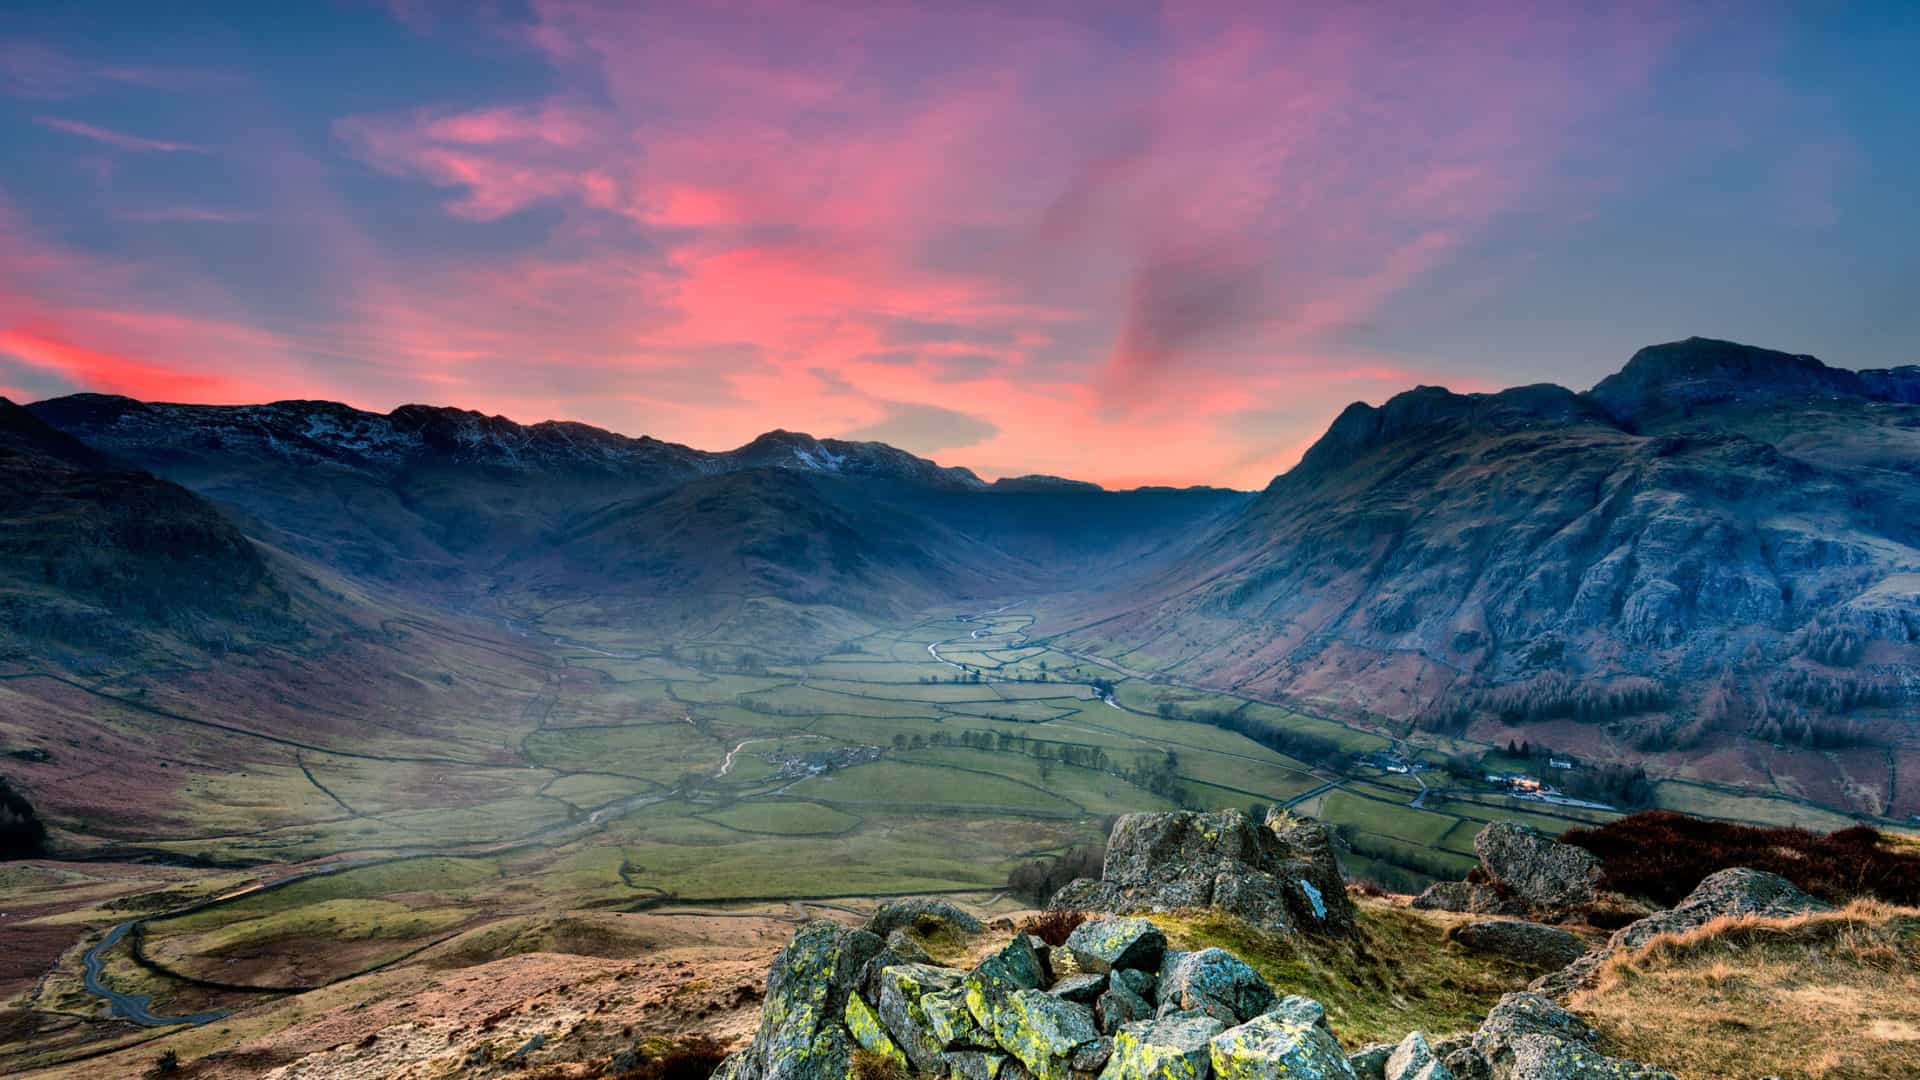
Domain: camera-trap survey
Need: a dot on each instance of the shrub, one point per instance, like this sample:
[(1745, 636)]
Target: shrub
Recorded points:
[(688, 1057), (1053, 927), (1662, 855), (868, 1065), (1040, 879)]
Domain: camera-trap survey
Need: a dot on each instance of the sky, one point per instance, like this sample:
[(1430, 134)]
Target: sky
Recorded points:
[(1129, 243)]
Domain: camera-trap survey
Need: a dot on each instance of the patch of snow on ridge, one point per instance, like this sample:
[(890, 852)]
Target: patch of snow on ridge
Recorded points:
[(819, 458)]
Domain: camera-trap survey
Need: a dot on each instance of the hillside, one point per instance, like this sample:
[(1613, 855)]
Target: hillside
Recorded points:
[(97, 557), (1718, 541)]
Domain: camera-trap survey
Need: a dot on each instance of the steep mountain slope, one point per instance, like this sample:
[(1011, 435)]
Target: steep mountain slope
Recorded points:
[(1719, 538), (98, 556)]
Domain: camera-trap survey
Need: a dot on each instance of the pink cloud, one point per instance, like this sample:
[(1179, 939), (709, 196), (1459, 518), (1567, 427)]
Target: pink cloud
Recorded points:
[(1164, 229)]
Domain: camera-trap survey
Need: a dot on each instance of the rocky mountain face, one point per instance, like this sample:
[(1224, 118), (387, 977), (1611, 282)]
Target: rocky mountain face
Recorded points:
[(1716, 539), (97, 556)]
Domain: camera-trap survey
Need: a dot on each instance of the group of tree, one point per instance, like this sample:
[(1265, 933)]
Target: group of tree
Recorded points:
[(1560, 695), (1157, 774), (1037, 880), (1297, 744), (22, 834)]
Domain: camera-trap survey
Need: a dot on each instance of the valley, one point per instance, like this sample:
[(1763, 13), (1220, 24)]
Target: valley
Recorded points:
[(306, 698), (930, 757)]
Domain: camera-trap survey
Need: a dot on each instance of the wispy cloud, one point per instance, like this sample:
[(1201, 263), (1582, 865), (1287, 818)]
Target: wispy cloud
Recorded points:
[(119, 140)]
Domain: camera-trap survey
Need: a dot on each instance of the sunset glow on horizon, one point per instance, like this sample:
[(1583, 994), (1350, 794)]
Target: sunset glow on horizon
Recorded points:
[(1123, 243)]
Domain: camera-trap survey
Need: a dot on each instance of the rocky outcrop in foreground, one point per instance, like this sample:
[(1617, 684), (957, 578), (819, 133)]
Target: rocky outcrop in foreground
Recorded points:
[(1131, 1009), (1732, 892), (1522, 871), (1278, 875)]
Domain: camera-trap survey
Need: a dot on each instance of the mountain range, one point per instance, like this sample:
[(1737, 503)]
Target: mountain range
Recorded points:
[(1716, 543)]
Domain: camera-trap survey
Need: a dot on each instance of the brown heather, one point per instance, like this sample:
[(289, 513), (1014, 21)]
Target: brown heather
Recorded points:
[(1661, 856)]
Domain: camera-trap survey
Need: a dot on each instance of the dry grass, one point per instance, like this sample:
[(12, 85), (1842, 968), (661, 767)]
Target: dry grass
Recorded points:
[(1832, 996), (1394, 974)]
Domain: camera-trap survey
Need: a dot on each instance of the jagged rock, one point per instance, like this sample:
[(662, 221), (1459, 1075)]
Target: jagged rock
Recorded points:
[(1173, 1048), (1527, 1037), (974, 1064), (921, 913), (1466, 897), (951, 1022), (1466, 1063), (1094, 1056), (1537, 869), (902, 945), (1734, 891), (1523, 942), (1370, 1061), (1084, 989), (802, 1035), (1291, 1042), (1017, 966), (1119, 1007), (904, 989), (864, 1025), (1277, 875), (1101, 945), (1134, 979), (1038, 1029), (1414, 1059), (1215, 982)]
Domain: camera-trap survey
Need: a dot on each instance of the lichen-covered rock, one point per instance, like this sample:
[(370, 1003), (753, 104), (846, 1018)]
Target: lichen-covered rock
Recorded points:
[(1536, 1057), (1465, 1063), (1094, 1056), (923, 914), (1166, 1049), (1215, 982), (1280, 1044), (1041, 1031), (864, 1025), (1527, 1037), (1522, 942), (974, 1064), (904, 989), (1119, 1007), (1134, 979), (1414, 1059), (1084, 989), (902, 945), (950, 1021), (1102, 945), (802, 1033), (1536, 869), (1278, 874), (1017, 966), (1370, 1061), (730, 1069)]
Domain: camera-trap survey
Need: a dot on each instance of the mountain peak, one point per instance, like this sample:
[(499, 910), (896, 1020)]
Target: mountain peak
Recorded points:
[(1361, 427), (1680, 376)]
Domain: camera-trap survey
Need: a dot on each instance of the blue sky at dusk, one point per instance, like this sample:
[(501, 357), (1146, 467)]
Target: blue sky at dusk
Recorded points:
[(1132, 243)]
